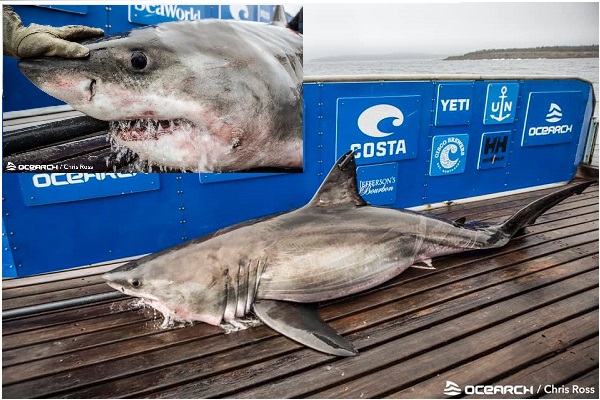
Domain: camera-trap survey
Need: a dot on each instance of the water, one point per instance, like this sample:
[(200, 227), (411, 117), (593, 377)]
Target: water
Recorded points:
[(586, 68)]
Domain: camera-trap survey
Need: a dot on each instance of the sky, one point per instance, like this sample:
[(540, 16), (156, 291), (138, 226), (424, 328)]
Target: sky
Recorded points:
[(444, 28)]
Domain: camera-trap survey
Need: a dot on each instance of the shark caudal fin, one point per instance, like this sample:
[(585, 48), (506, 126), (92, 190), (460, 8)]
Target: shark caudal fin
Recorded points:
[(339, 187), (531, 212), (279, 18)]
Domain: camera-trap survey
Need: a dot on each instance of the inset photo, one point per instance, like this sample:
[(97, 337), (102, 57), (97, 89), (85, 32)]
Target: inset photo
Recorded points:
[(152, 88)]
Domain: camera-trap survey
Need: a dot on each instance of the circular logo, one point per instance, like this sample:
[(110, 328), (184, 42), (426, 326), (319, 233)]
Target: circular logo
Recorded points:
[(368, 121), (449, 154), (445, 160), (239, 12)]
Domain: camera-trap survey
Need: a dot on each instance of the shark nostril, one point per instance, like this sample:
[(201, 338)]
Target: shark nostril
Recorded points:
[(92, 89)]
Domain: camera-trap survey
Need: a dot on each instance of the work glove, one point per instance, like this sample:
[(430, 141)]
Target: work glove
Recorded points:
[(42, 40)]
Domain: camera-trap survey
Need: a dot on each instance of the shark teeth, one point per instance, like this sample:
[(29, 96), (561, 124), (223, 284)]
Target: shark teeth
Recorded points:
[(147, 129)]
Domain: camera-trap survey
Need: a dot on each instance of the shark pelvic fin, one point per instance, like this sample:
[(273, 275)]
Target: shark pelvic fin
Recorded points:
[(302, 323), (279, 18), (424, 264), (339, 187)]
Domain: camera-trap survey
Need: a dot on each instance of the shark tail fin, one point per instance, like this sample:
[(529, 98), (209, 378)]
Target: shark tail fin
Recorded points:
[(279, 18), (531, 212)]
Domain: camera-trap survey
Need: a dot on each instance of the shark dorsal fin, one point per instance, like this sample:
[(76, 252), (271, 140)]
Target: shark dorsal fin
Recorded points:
[(339, 187), (279, 18)]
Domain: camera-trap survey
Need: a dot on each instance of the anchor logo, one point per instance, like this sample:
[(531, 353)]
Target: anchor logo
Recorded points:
[(501, 106)]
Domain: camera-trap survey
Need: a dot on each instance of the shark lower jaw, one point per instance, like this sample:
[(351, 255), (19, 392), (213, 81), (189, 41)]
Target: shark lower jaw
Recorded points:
[(148, 129)]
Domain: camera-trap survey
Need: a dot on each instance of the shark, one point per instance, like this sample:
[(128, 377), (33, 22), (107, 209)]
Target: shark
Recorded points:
[(207, 95), (278, 267)]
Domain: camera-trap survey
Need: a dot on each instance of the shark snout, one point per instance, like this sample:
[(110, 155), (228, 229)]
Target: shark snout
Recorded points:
[(35, 69), (68, 80)]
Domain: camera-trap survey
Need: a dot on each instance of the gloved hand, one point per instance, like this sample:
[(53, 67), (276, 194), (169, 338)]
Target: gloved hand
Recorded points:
[(41, 40)]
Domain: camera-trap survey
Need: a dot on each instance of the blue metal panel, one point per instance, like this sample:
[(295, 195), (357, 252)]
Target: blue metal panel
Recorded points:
[(378, 183), (50, 188), (493, 150), (265, 13), (500, 103), (63, 235), (494, 159), (152, 14), (448, 154), (9, 269), (453, 103), (67, 8), (240, 12), (378, 129), (556, 125)]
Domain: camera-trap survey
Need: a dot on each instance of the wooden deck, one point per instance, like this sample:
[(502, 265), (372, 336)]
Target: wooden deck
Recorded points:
[(526, 314)]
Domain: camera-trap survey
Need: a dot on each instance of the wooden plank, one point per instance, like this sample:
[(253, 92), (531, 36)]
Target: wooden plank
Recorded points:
[(587, 385), (64, 330), (48, 297), (72, 273), (515, 363), (61, 151), (55, 286), (412, 332), (253, 360), (511, 202), (536, 323), (562, 367), (61, 317), (37, 351)]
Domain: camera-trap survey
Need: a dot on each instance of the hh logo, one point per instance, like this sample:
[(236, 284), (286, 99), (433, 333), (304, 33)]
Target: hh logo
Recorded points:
[(494, 150), (378, 129)]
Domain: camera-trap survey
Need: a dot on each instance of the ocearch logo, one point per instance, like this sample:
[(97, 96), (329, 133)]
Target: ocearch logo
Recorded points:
[(368, 121), (452, 389), (554, 113)]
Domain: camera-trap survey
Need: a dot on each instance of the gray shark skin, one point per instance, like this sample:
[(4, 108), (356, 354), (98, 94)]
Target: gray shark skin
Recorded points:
[(206, 95), (334, 246)]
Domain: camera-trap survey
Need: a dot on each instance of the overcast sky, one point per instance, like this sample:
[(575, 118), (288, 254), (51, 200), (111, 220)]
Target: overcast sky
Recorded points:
[(445, 29)]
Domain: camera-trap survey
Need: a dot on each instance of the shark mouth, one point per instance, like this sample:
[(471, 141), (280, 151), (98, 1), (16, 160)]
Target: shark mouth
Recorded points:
[(148, 129)]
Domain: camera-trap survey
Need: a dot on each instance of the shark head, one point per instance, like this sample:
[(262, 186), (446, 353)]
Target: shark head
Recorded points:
[(192, 95), (188, 295)]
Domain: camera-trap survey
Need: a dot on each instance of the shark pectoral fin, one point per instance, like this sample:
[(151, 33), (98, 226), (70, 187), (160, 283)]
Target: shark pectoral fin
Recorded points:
[(302, 323), (460, 222)]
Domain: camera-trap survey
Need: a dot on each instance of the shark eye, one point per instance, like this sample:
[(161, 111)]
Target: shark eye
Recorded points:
[(139, 60), (135, 283)]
